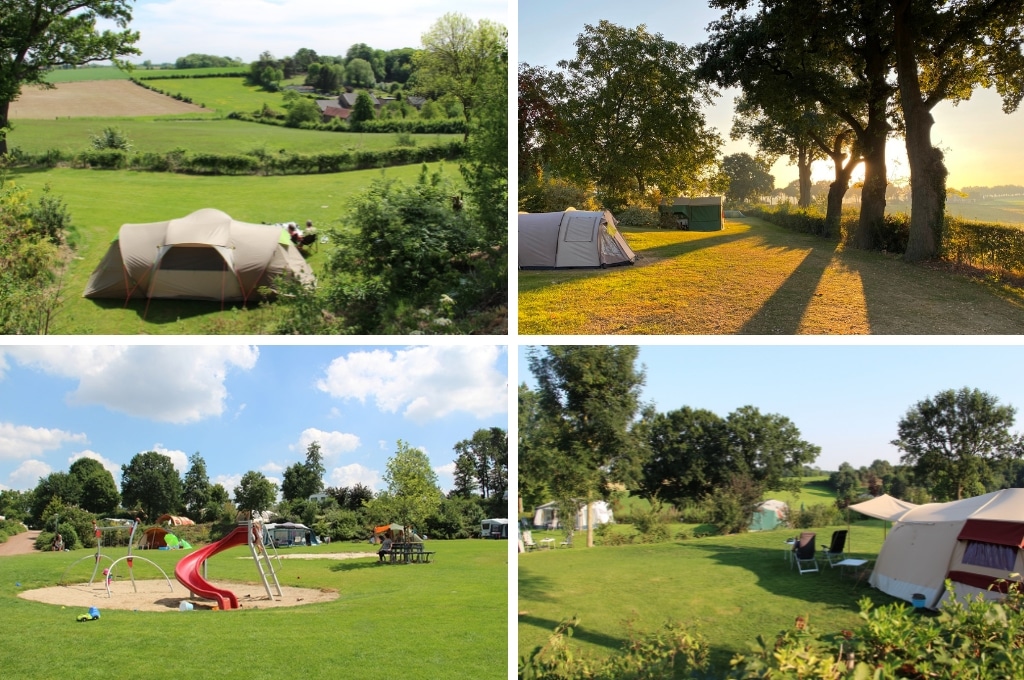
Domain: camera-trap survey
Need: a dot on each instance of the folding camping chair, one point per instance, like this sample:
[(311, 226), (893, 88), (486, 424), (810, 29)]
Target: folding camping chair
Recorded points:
[(528, 543), (567, 543), (804, 553), (836, 551)]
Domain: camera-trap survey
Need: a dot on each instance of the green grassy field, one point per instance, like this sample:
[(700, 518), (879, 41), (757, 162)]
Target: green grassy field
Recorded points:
[(223, 95), (756, 278), (101, 201), (446, 619), (205, 134), (79, 75), (729, 588)]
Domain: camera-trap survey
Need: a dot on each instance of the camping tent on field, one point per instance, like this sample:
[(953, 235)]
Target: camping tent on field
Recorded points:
[(768, 515), (206, 255), (702, 213), (547, 515), (974, 542), (572, 238)]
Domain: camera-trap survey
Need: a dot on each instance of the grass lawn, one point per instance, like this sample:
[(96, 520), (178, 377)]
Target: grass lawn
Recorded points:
[(756, 278), (101, 201), (223, 95), (728, 588), (813, 491), (446, 619), (209, 135)]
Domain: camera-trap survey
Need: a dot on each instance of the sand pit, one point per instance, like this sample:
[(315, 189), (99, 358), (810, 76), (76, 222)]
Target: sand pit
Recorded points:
[(155, 596)]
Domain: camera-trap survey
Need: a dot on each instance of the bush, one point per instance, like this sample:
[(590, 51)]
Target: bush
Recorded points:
[(552, 195), (815, 516), (639, 216), (111, 138), (106, 159), (667, 653), (998, 247)]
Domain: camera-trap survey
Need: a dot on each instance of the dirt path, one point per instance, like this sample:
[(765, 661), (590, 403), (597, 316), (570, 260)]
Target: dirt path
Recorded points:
[(21, 544)]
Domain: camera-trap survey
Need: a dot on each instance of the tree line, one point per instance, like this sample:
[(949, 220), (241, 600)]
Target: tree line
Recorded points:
[(585, 435), (818, 80), (151, 486)]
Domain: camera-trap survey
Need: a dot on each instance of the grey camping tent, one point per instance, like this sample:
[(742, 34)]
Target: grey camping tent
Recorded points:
[(571, 238), (206, 255)]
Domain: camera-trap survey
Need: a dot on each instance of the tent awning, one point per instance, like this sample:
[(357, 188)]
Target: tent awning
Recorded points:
[(884, 507)]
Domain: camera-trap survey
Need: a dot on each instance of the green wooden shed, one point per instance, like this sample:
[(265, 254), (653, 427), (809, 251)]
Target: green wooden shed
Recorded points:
[(702, 213)]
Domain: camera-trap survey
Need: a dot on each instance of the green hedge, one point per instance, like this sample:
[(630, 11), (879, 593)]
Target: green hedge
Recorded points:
[(183, 161), (892, 237), (447, 126), (988, 246)]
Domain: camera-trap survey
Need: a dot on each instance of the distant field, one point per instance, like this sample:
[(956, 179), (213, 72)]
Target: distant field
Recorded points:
[(113, 73), (1008, 210), (77, 75), (95, 98), (223, 95), (206, 134)]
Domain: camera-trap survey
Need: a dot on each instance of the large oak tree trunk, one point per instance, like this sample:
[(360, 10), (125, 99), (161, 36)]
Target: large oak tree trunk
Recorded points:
[(5, 108), (927, 169), (803, 164), (872, 202), (836, 192)]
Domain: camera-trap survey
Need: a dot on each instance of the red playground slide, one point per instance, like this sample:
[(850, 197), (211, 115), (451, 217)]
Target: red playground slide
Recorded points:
[(187, 570)]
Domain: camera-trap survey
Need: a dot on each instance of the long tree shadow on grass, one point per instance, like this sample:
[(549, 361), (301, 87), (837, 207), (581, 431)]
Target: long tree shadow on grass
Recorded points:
[(785, 309), (580, 632), (539, 279), (775, 575), (909, 299)]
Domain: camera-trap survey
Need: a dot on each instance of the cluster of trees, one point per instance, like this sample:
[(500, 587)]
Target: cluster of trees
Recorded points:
[(583, 435), (623, 116), (955, 444), (818, 80), (151, 486), (206, 61), (361, 67), (429, 257), (822, 80)]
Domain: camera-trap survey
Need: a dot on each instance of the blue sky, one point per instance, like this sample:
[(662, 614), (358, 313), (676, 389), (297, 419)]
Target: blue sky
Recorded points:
[(244, 407), (244, 28), (983, 146), (846, 399)]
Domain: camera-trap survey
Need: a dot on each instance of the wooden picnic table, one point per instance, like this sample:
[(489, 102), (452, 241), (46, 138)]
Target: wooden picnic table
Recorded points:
[(409, 553)]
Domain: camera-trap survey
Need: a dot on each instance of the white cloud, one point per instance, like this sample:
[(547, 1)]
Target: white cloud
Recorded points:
[(349, 475), (229, 482), (174, 384), (22, 441), (272, 468), (427, 382), (110, 466), (332, 444), (179, 459), (448, 469), (28, 474)]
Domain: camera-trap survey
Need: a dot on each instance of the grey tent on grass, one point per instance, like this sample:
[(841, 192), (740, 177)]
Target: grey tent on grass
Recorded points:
[(571, 239), (206, 255)]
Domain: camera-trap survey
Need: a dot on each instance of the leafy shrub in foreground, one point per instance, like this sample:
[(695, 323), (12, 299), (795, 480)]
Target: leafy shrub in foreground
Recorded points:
[(666, 653)]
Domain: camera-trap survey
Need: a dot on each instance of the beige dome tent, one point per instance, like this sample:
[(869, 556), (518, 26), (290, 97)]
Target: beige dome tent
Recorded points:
[(204, 256), (572, 238), (976, 543)]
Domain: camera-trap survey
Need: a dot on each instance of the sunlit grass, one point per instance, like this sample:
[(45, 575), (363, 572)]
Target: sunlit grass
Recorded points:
[(755, 278)]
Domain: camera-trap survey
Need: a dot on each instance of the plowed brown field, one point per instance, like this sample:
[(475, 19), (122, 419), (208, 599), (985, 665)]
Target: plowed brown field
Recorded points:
[(106, 98)]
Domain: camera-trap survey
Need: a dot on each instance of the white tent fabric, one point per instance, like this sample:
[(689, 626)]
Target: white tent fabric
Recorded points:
[(884, 507), (547, 515), (928, 543)]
